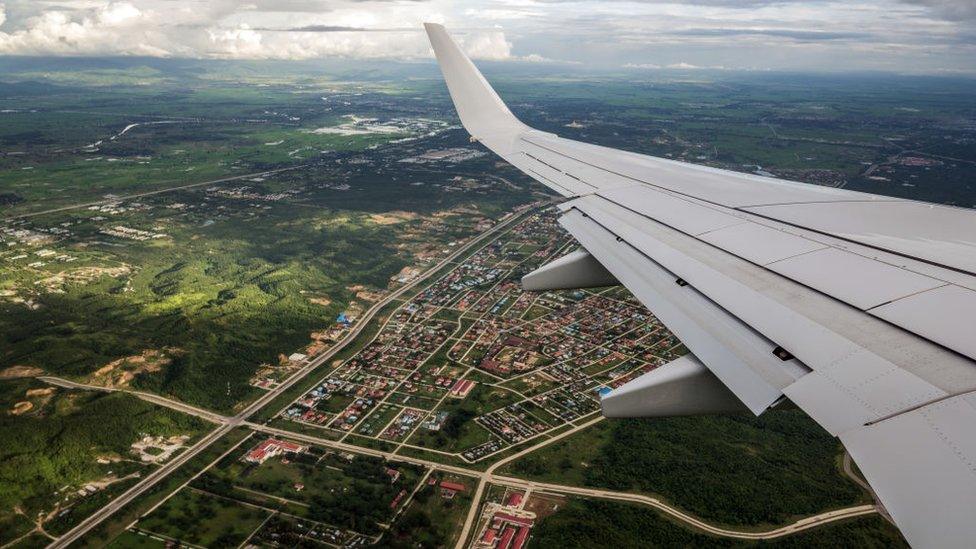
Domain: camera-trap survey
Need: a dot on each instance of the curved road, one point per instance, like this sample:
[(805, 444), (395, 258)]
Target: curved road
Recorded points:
[(227, 423), (488, 477)]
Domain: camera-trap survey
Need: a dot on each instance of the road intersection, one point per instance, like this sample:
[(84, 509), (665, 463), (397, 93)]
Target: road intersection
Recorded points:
[(224, 424)]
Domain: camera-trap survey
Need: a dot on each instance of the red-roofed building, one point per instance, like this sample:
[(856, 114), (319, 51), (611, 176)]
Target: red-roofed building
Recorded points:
[(514, 499), (462, 387), (450, 489), (520, 538), (489, 537), (521, 521), (456, 486), (397, 499), (272, 447), (507, 534)]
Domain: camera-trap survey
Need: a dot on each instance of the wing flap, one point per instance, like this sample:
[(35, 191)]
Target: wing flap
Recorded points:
[(727, 346), (903, 404), (922, 464), (935, 315)]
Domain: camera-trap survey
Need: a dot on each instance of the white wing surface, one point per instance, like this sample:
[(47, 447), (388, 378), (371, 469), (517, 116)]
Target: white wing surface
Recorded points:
[(860, 309)]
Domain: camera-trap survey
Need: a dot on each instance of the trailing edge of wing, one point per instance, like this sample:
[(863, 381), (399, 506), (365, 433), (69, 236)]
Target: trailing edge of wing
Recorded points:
[(865, 301)]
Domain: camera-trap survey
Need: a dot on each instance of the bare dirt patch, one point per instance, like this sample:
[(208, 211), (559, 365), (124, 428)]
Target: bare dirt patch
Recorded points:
[(14, 372), (392, 218), (83, 275), (544, 505), (22, 408), (121, 372), (323, 301)]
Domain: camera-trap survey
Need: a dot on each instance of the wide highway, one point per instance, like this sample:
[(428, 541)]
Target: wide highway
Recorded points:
[(230, 422)]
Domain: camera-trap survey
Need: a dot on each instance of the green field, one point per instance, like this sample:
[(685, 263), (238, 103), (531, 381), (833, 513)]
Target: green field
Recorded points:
[(432, 520), (460, 432), (203, 520)]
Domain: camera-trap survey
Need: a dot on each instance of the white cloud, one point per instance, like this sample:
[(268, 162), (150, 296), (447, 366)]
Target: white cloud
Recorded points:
[(118, 14), (224, 29), (487, 45), (117, 28), (784, 34), (691, 66)]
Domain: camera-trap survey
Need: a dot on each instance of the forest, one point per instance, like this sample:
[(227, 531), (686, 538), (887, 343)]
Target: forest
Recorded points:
[(57, 444), (737, 470), (593, 523)]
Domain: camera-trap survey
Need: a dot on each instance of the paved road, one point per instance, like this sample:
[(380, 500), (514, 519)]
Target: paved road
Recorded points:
[(229, 423), (208, 415), (798, 526), (488, 477), (146, 483), (150, 193)]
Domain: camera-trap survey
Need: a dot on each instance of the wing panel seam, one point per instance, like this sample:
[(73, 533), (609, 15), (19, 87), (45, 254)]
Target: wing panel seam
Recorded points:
[(742, 209)]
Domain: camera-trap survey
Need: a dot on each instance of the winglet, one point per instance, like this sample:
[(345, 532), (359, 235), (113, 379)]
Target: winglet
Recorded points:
[(482, 112)]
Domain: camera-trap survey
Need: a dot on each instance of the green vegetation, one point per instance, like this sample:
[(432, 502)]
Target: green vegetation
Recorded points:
[(460, 431), (115, 526), (247, 270), (595, 523), (354, 494), (53, 448), (136, 540), (203, 520), (735, 470), (431, 520)]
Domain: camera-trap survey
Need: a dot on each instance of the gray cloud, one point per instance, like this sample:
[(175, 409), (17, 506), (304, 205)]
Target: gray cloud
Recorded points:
[(801, 35), (896, 35), (335, 28), (316, 28), (740, 4), (952, 10)]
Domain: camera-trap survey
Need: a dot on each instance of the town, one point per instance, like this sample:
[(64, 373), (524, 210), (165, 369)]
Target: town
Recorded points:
[(473, 365)]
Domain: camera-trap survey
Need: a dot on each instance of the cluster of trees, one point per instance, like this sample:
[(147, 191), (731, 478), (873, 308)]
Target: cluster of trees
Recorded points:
[(454, 422), (734, 469), (204, 520), (57, 446), (730, 469), (359, 508), (596, 523)]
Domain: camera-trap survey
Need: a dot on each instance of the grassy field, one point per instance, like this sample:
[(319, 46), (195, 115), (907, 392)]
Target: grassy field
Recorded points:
[(116, 525), (432, 520), (459, 432), (203, 520)]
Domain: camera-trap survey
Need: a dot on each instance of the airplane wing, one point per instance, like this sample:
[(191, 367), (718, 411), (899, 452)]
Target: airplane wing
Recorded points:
[(860, 309)]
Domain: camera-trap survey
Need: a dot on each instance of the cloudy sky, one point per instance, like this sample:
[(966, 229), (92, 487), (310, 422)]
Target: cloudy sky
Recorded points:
[(914, 36)]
